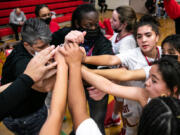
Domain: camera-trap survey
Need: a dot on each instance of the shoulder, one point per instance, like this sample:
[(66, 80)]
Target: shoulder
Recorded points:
[(62, 31)]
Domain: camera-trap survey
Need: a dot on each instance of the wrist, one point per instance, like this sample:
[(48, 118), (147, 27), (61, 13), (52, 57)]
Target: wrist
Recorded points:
[(75, 65)]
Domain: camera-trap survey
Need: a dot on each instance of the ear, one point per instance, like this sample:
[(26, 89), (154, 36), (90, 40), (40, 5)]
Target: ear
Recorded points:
[(175, 89), (76, 24), (157, 38)]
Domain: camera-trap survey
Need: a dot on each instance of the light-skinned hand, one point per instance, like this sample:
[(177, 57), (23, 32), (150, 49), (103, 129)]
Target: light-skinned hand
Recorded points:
[(75, 37), (38, 66), (72, 53)]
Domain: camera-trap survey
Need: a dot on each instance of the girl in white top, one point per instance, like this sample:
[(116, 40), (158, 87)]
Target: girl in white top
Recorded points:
[(123, 23), (163, 81), (147, 36)]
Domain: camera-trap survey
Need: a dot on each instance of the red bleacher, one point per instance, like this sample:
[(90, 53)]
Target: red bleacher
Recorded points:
[(61, 7)]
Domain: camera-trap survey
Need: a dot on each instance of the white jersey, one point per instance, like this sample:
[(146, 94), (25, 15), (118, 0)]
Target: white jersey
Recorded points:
[(88, 127), (134, 59), (120, 46), (127, 42)]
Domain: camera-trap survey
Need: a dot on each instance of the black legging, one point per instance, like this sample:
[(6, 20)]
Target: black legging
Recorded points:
[(103, 6), (15, 29)]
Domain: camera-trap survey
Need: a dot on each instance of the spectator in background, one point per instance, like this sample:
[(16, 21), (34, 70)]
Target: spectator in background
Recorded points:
[(43, 12), (16, 19), (103, 5), (173, 10), (151, 6), (53, 14)]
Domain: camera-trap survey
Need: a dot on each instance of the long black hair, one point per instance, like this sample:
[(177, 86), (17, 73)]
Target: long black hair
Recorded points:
[(161, 116)]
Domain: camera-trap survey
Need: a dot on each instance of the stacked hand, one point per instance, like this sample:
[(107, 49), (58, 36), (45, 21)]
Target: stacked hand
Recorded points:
[(72, 53), (75, 37), (38, 67)]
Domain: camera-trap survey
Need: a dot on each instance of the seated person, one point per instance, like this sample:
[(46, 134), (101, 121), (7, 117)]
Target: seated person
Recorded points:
[(16, 20), (43, 12)]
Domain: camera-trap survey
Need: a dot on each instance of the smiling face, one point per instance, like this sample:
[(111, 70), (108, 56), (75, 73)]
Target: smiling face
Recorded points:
[(146, 38), (155, 85)]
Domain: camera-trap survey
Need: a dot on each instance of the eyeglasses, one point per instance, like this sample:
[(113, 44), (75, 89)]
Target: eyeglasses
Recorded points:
[(45, 15)]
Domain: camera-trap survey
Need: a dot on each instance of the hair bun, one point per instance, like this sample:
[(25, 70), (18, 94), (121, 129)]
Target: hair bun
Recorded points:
[(149, 18)]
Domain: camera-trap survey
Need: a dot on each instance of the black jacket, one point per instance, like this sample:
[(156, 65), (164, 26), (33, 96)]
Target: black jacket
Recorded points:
[(102, 44), (177, 25), (14, 66), (14, 95)]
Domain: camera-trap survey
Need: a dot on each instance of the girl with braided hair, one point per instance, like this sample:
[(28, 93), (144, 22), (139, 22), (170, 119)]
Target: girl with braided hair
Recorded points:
[(162, 115)]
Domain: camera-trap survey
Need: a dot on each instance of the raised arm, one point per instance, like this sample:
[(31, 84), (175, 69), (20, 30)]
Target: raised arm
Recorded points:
[(76, 96), (120, 74), (103, 84), (53, 123)]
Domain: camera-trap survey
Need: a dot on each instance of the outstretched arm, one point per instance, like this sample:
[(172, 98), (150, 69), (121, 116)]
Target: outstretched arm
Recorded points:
[(120, 74), (58, 102), (76, 96), (103, 84), (102, 60)]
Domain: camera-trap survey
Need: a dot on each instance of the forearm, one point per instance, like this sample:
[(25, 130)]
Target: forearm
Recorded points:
[(76, 96), (121, 74), (58, 104), (102, 60), (3, 87), (109, 87), (97, 81)]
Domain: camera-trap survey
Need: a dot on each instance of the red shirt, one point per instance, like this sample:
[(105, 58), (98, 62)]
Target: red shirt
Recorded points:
[(53, 26), (172, 8)]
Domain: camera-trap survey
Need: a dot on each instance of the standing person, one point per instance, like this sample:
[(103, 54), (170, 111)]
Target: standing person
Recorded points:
[(16, 20), (147, 35), (85, 18), (103, 5), (42, 11), (173, 10), (123, 22), (30, 115)]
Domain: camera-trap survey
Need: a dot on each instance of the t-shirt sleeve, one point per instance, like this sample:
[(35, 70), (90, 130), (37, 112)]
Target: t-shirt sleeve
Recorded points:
[(147, 69), (127, 44), (88, 127), (124, 58)]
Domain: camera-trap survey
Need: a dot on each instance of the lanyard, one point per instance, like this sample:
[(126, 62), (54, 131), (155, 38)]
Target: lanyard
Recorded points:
[(157, 57), (119, 38), (90, 51)]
